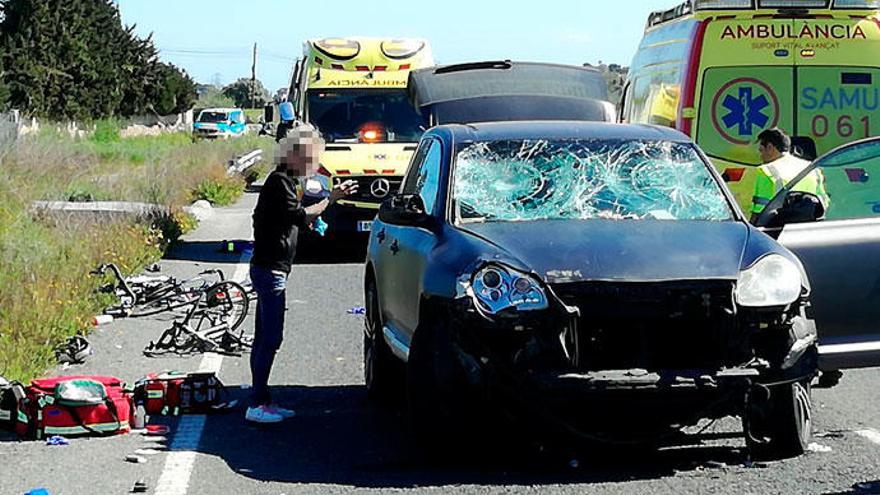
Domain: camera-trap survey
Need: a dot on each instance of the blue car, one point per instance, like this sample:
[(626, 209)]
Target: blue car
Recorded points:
[(597, 278), (220, 123)]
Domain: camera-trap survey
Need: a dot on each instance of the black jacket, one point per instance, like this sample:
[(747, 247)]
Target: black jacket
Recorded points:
[(277, 220)]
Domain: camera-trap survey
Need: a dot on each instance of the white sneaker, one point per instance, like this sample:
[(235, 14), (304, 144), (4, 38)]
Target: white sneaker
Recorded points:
[(263, 414), (284, 413)]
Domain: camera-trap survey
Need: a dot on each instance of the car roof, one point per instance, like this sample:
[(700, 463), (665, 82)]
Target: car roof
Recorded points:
[(499, 131), (433, 85), (221, 109)]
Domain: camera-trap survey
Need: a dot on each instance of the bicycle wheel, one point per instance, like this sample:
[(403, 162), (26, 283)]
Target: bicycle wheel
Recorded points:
[(227, 300)]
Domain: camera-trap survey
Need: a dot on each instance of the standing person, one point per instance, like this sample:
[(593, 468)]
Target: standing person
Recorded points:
[(287, 118), (278, 217), (781, 167)]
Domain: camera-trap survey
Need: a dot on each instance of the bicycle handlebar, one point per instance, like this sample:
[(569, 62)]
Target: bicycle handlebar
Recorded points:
[(102, 269)]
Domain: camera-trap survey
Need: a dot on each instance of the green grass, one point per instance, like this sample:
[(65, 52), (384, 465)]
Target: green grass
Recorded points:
[(253, 114), (46, 293)]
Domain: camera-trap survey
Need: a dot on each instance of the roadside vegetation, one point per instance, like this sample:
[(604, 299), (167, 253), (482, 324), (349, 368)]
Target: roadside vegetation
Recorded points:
[(46, 292)]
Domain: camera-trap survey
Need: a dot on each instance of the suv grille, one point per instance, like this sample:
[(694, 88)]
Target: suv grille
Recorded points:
[(655, 326)]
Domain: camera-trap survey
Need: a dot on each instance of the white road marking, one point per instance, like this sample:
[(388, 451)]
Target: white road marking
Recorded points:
[(179, 464), (241, 270), (870, 434), (211, 362)]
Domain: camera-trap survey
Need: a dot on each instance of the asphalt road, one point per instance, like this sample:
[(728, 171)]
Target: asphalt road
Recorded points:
[(342, 443)]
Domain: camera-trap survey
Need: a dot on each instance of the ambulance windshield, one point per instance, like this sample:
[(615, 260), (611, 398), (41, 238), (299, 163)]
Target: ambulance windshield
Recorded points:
[(344, 115)]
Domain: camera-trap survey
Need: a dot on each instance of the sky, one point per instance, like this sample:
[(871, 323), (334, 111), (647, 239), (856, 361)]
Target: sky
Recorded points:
[(213, 40)]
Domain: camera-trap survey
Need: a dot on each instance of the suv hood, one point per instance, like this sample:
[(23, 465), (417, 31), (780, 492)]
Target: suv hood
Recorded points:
[(620, 250)]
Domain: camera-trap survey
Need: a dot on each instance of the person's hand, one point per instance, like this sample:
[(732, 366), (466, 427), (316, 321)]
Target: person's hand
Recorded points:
[(342, 190)]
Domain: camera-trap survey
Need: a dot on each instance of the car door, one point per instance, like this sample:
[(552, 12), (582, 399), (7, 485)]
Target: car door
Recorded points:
[(238, 123), (841, 254), (385, 253), (409, 246)]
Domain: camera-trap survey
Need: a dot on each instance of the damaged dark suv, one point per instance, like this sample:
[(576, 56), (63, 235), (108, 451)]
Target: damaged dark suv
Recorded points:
[(596, 276)]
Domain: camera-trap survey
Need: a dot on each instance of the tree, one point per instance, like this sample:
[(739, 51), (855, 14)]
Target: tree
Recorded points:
[(240, 92), (73, 59), (212, 96), (174, 91)]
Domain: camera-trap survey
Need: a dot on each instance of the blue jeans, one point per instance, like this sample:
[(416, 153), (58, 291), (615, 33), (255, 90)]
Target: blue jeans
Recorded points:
[(271, 289)]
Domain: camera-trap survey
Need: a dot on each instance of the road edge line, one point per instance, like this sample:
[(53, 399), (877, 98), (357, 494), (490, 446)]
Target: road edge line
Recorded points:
[(179, 464)]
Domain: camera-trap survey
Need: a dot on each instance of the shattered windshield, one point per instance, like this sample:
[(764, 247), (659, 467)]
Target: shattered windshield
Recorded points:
[(519, 180)]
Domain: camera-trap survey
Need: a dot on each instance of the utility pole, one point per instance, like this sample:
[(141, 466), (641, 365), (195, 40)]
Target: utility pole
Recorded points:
[(254, 79)]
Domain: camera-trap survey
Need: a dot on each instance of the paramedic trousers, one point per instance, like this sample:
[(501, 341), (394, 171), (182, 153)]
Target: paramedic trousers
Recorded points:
[(271, 289)]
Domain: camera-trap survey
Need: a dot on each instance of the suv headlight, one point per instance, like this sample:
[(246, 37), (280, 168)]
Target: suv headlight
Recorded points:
[(496, 288), (772, 281)]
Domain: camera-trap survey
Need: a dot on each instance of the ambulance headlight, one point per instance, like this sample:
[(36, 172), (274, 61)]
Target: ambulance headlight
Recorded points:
[(772, 281)]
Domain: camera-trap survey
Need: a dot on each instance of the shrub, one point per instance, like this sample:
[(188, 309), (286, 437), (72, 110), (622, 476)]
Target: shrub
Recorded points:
[(221, 191), (106, 131)]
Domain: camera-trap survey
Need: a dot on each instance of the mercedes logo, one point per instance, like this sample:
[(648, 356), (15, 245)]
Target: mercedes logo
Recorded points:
[(380, 188)]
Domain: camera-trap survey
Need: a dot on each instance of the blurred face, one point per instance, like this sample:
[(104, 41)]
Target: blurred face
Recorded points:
[(304, 158)]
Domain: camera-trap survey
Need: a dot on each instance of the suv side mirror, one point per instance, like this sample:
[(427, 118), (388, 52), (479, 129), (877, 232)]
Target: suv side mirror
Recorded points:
[(404, 209)]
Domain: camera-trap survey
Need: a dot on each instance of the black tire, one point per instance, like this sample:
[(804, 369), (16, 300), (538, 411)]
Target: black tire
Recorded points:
[(228, 299), (383, 372), (780, 426), (436, 393)]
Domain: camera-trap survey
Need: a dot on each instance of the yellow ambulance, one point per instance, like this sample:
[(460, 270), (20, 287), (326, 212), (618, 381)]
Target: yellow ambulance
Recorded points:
[(722, 71), (354, 91)]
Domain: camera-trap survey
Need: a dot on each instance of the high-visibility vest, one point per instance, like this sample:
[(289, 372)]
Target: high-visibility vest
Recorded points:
[(773, 176)]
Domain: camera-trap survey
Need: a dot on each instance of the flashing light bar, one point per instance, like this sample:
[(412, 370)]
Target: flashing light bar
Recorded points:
[(338, 48), (400, 49), (371, 132)]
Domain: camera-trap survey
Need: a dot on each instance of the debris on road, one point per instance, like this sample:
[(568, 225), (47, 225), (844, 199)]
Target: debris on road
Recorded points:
[(829, 434), (358, 311), (140, 486), (57, 440), (102, 320), (135, 459), (74, 350), (38, 491), (818, 447)]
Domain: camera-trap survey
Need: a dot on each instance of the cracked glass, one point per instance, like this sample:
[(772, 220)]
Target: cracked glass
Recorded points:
[(523, 180)]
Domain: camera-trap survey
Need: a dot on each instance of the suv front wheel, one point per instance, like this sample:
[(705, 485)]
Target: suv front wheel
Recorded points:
[(383, 373), (780, 425)]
